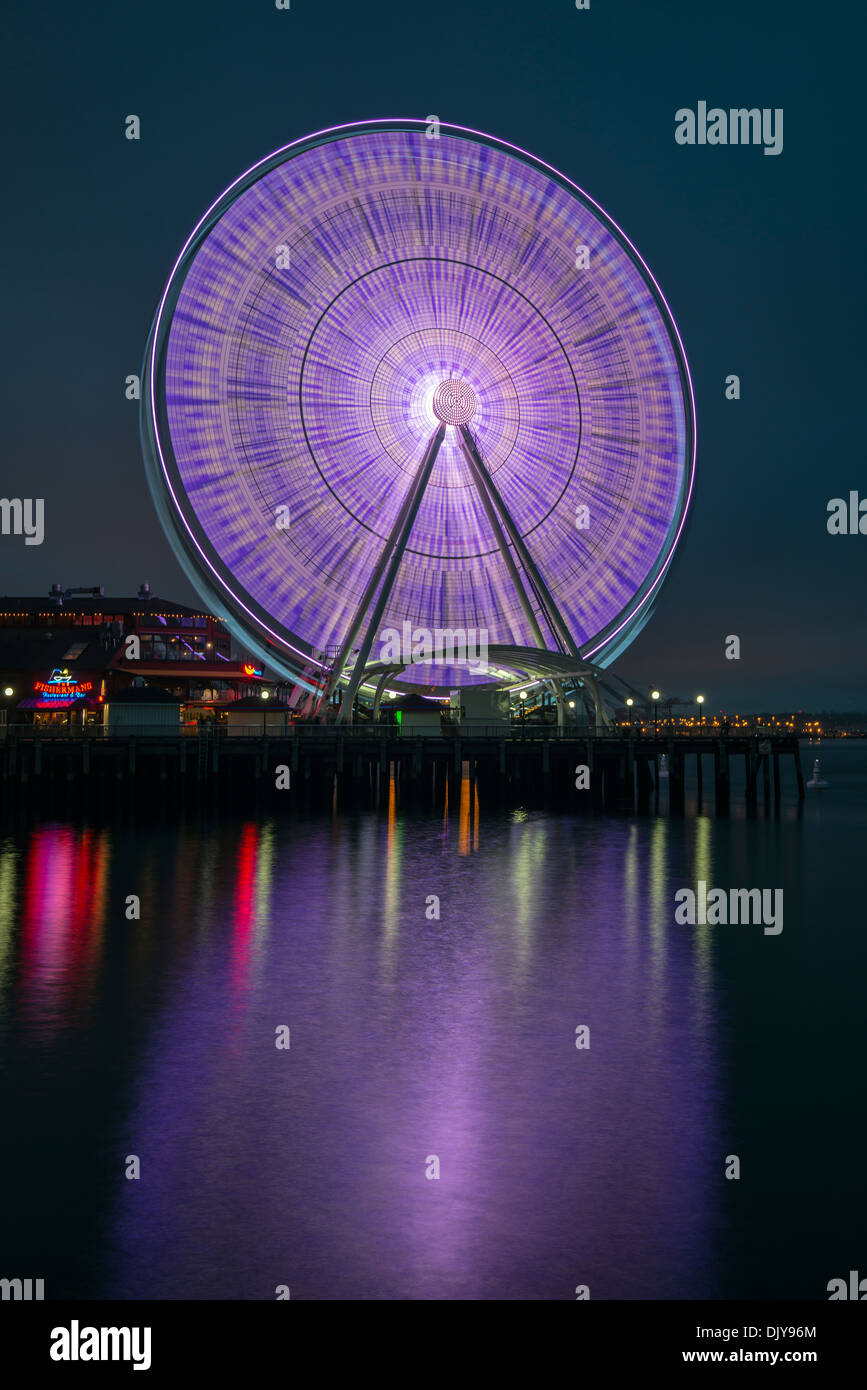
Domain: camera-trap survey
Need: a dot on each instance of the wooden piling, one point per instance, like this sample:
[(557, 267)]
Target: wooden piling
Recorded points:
[(751, 760), (676, 788), (538, 766)]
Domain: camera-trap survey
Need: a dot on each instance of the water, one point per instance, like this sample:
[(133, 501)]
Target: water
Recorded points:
[(412, 1037)]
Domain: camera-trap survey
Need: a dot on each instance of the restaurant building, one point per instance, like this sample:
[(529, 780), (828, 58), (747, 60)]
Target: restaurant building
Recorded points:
[(62, 657)]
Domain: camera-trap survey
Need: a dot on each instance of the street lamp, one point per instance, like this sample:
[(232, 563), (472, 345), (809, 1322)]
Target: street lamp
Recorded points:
[(699, 700), (8, 691), (522, 697), (629, 703), (654, 695)]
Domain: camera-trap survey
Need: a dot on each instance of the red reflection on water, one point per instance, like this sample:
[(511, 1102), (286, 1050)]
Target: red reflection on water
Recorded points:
[(244, 905), (62, 918)]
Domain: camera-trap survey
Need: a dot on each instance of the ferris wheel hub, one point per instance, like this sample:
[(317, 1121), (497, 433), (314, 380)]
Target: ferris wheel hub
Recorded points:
[(454, 402)]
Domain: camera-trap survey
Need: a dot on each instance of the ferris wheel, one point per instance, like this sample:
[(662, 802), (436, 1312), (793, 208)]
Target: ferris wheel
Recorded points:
[(399, 377)]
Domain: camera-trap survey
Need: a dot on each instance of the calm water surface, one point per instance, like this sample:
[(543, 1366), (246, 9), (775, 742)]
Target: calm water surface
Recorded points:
[(454, 1037)]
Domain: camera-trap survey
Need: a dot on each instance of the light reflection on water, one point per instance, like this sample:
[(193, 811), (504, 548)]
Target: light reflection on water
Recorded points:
[(409, 1037)]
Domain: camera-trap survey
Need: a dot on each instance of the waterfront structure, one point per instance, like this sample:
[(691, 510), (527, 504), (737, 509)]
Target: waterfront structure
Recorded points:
[(418, 717), (142, 709), (63, 657), (253, 716), (258, 757), (412, 376)]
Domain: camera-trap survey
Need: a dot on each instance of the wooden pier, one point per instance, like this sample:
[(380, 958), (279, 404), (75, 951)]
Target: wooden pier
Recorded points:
[(355, 765)]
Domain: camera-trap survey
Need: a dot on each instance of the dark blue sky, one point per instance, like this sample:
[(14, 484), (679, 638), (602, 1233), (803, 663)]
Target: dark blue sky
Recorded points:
[(760, 258)]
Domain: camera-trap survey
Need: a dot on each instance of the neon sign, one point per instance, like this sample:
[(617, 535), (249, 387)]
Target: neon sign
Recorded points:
[(60, 687), (252, 670)]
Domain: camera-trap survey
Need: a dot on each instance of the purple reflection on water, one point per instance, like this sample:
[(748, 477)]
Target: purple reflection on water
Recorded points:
[(412, 1038)]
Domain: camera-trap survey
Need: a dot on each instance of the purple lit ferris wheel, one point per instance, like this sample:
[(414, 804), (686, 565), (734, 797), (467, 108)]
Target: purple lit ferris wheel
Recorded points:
[(400, 379)]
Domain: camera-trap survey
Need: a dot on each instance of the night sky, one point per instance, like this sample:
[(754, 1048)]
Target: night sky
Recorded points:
[(760, 258)]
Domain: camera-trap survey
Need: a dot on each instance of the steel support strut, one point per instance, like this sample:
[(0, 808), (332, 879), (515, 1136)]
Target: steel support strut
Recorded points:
[(391, 557), (484, 481), (399, 530), (477, 475), (493, 504)]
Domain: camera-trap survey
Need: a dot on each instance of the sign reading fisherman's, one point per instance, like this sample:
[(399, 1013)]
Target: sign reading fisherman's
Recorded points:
[(58, 686)]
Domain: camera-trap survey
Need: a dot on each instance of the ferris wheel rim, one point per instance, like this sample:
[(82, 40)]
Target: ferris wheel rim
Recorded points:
[(197, 547)]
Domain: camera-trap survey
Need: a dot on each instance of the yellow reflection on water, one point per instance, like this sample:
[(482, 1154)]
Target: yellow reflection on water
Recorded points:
[(262, 894), (661, 915), (702, 934), (393, 856), (529, 863)]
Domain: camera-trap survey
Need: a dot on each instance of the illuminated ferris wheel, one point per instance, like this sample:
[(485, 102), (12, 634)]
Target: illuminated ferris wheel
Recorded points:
[(397, 378)]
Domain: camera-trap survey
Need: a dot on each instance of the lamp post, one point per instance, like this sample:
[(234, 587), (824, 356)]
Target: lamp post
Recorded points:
[(629, 703), (522, 697), (654, 695), (699, 700)]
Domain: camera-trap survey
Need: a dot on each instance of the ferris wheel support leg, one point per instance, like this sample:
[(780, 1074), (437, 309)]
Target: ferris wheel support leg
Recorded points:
[(599, 708), (559, 696), (395, 543), (476, 473), (483, 479), (380, 691), (392, 556), (485, 487)]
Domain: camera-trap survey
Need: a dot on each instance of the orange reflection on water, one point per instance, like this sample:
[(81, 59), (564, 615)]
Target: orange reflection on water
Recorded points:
[(464, 811)]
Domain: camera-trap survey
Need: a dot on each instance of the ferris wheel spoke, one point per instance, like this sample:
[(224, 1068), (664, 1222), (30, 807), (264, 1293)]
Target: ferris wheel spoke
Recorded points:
[(486, 486), (388, 564)]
